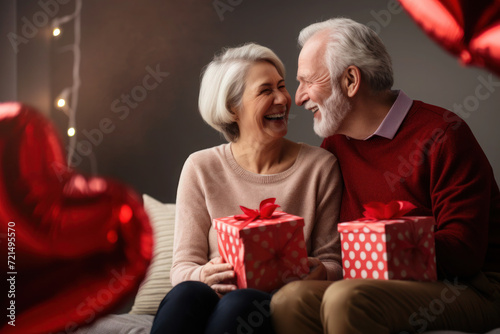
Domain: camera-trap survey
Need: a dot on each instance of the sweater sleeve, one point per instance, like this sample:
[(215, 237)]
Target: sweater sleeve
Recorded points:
[(325, 237), (192, 225), (461, 182)]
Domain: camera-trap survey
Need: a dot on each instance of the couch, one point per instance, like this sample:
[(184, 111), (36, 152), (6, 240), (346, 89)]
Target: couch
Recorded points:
[(139, 318)]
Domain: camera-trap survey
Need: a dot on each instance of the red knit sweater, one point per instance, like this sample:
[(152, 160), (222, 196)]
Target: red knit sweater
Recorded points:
[(435, 162)]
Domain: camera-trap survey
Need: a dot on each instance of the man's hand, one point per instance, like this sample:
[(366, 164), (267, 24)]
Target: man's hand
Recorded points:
[(317, 270), (215, 273)]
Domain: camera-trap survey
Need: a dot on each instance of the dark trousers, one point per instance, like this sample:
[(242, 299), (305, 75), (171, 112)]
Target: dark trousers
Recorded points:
[(193, 307)]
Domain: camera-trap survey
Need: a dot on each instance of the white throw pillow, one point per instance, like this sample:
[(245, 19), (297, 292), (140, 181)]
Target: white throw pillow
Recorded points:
[(156, 284)]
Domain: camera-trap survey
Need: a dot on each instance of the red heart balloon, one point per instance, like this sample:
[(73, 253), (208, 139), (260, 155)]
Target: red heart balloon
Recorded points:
[(78, 246), (468, 29)]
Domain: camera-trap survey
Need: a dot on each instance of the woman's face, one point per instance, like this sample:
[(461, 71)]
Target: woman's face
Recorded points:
[(263, 115)]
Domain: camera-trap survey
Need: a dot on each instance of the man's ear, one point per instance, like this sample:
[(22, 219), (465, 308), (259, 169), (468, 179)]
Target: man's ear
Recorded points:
[(351, 80)]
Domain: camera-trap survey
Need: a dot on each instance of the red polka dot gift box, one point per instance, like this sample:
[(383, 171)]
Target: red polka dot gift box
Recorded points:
[(386, 245), (265, 247)]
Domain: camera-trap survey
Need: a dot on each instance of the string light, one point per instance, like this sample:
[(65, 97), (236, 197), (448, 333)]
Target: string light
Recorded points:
[(62, 99), (67, 100)]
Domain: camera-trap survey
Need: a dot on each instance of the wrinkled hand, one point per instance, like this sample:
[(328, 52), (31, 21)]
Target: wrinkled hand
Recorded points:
[(215, 273), (317, 270)]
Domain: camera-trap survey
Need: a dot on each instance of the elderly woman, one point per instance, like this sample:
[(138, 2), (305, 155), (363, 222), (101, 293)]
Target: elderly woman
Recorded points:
[(243, 95)]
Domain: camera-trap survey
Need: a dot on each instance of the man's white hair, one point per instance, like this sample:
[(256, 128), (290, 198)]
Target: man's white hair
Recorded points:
[(352, 43)]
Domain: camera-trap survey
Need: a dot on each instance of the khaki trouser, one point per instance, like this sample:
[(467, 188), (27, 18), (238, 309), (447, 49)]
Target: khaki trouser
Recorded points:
[(378, 306)]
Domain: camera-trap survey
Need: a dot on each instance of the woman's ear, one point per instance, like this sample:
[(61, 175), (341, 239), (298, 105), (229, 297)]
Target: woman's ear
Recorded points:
[(235, 114), (235, 111), (351, 80)]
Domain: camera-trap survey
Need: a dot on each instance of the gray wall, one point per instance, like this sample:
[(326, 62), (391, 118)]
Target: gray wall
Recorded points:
[(144, 142), (7, 53)]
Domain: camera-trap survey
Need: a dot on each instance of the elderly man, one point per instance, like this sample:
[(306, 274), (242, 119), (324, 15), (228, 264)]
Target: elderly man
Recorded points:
[(391, 147)]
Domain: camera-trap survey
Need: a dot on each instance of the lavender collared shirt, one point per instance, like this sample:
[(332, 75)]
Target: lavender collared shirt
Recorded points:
[(394, 117)]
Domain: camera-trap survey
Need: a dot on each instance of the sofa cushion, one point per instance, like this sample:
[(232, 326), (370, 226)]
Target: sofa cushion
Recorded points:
[(119, 324), (156, 284)]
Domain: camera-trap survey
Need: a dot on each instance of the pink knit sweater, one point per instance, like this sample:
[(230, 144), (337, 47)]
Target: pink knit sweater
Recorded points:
[(213, 185)]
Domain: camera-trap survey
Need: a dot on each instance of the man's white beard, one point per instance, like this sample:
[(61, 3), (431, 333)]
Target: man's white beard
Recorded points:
[(332, 112)]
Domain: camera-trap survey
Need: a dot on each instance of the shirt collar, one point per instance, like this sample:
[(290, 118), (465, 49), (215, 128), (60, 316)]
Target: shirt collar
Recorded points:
[(394, 117)]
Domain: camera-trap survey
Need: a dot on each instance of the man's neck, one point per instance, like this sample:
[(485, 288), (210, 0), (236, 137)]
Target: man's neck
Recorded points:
[(368, 111)]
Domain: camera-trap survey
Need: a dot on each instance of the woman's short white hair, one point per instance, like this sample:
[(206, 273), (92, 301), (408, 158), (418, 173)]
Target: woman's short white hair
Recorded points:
[(352, 43), (223, 84)]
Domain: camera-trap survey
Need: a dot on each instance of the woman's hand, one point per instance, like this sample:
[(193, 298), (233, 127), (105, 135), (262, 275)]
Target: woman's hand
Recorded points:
[(317, 270), (215, 274)]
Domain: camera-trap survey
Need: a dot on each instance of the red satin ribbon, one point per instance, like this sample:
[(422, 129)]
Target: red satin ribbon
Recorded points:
[(391, 210), (415, 244), (265, 211), (282, 245), (396, 210)]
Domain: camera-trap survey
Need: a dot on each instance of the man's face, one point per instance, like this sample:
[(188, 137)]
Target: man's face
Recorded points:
[(317, 92)]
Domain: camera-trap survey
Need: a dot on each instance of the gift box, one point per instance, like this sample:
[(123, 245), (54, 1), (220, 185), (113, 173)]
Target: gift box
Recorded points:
[(265, 247), (386, 245)]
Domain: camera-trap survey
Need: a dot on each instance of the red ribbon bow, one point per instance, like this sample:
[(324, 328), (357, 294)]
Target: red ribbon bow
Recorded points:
[(391, 210), (414, 243), (414, 248), (265, 211)]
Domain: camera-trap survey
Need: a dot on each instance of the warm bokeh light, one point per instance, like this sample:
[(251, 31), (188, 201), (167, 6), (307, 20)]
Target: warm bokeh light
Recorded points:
[(56, 32), (112, 236), (61, 103), (71, 132), (126, 214)]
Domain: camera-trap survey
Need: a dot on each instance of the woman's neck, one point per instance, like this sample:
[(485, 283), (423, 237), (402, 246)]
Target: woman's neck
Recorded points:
[(265, 158)]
